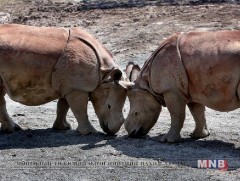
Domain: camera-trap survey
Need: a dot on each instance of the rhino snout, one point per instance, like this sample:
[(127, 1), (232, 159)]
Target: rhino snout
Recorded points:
[(112, 129), (139, 132), (107, 130)]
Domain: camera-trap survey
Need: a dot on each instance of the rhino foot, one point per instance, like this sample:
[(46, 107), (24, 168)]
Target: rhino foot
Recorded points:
[(10, 128), (200, 134), (63, 125), (86, 130), (170, 138)]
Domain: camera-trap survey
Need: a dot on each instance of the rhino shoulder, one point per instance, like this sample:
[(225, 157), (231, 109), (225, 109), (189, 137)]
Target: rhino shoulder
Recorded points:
[(84, 63), (78, 66)]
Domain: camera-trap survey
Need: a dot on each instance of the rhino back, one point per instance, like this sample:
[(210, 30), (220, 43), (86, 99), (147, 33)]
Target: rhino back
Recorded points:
[(27, 57), (212, 62)]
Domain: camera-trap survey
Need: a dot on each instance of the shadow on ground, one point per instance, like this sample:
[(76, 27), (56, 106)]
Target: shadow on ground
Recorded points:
[(41, 138), (110, 4), (186, 153)]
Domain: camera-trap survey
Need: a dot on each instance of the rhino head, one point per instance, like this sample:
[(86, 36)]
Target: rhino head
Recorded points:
[(143, 114), (108, 101), (144, 108)]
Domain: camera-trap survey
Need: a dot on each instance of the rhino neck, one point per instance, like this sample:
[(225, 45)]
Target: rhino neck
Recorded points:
[(143, 81), (146, 86), (105, 61), (64, 80), (162, 73)]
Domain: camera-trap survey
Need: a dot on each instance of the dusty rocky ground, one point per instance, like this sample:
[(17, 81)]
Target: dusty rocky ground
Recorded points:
[(131, 30)]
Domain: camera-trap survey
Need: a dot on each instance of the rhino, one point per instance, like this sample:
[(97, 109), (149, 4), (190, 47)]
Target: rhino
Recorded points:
[(42, 64), (194, 69)]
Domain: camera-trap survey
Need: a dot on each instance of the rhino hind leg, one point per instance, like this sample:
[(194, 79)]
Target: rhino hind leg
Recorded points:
[(61, 121), (78, 102), (7, 125), (176, 106), (198, 112)]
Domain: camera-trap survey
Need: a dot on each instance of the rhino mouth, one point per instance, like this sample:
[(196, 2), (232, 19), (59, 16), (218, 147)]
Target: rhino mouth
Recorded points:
[(106, 129), (140, 132)]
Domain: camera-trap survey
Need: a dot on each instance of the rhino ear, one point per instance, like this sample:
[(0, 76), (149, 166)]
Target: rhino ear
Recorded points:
[(126, 85), (129, 69), (115, 74), (134, 73)]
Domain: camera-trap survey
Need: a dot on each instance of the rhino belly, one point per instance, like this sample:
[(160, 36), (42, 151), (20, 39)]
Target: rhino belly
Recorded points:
[(27, 78), (29, 92), (218, 102), (216, 87)]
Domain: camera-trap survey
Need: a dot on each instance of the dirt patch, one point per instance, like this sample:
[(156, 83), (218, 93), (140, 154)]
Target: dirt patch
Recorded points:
[(131, 30)]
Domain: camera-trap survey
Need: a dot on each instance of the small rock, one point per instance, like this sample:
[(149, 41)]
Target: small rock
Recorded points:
[(17, 115), (4, 17), (13, 154), (116, 153)]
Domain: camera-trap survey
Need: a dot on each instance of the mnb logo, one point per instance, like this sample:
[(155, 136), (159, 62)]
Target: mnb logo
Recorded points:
[(218, 164)]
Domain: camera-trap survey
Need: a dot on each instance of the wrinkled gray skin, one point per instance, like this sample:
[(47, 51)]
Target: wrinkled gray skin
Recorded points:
[(194, 69), (41, 64)]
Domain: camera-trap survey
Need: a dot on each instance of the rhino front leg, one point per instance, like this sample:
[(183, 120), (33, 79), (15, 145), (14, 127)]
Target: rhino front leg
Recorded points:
[(61, 121), (78, 101), (7, 125), (176, 106), (198, 112)]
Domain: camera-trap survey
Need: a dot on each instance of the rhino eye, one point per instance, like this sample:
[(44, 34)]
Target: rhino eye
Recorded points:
[(136, 113), (109, 106)]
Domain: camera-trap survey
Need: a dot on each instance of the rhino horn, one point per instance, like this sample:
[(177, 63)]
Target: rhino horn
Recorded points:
[(127, 85)]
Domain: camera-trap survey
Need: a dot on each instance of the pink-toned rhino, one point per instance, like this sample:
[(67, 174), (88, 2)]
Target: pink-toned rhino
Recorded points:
[(196, 69), (41, 64)]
